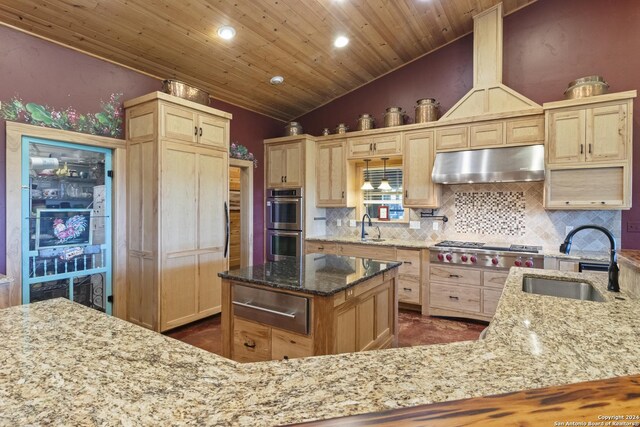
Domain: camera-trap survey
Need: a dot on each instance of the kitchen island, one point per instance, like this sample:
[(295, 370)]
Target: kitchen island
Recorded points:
[(67, 364), (313, 305)]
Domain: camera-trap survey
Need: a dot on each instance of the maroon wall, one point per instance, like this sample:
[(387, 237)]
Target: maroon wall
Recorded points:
[(45, 73), (546, 45)]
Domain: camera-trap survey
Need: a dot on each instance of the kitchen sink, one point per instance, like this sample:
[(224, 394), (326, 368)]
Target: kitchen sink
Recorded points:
[(561, 288)]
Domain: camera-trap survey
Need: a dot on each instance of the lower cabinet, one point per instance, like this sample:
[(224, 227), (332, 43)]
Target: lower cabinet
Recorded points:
[(364, 317), (464, 292), (255, 342), (410, 276)]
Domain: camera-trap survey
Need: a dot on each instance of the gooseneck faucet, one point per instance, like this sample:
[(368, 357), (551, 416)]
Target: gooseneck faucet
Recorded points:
[(363, 234), (565, 247)]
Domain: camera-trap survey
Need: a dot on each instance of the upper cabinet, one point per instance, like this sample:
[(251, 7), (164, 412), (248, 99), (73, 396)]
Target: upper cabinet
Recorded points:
[(589, 152), (419, 153), (375, 146), (594, 133), (527, 130), (335, 177), (183, 124), (285, 165)]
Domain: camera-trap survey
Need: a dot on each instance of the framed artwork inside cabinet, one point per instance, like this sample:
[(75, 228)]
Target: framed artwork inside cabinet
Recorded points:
[(383, 213), (57, 228)]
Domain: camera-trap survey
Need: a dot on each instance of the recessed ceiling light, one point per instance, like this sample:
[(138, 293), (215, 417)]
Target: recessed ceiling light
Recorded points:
[(226, 32), (276, 80), (341, 41)]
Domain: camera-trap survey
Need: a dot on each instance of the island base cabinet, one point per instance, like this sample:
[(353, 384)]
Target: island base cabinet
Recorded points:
[(364, 317)]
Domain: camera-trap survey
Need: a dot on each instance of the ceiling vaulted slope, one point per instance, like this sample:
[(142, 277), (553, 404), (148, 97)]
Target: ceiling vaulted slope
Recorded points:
[(292, 38)]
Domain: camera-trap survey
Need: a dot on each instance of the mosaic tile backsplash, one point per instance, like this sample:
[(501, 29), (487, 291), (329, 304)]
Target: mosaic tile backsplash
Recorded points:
[(494, 212), (501, 212)]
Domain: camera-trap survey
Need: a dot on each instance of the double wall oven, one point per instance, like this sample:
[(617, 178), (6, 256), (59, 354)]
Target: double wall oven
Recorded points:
[(285, 214)]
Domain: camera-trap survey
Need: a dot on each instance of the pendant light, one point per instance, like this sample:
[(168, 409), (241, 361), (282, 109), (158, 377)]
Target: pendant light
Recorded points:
[(384, 184), (367, 183)]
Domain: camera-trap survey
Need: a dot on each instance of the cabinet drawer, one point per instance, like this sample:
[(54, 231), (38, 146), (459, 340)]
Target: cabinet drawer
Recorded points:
[(525, 131), (368, 251), (409, 289), (410, 262), (251, 341), (320, 248), (486, 135), (452, 138), (463, 298), (494, 279), (490, 298), (285, 345), (443, 273)]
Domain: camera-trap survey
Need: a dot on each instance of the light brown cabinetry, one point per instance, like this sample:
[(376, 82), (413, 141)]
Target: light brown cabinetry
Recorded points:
[(589, 152), (184, 124), (526, 130), (375, 146), (177, 192), (464, 292), (334, 176), (419, 153), (285, 165), (409, 274), (363, 317)]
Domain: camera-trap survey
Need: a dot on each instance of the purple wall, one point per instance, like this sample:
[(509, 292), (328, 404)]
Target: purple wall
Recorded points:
[(546, 45), (45, 73)]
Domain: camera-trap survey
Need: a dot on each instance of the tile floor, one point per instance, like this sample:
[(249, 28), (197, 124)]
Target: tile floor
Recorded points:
[(415, 329)]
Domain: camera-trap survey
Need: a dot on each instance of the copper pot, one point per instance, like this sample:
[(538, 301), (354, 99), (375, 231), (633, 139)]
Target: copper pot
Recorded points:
[(183, 90), (293, 128), (394, 116), (365, 122), (586, 86), (427, 110)]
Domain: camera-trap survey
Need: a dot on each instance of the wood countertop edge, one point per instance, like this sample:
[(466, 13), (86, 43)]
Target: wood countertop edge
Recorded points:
[(579, 402)]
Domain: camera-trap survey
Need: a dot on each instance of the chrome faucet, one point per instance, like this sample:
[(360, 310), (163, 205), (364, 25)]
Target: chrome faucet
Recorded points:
[(363, 234), (565, 247), (379, 233)]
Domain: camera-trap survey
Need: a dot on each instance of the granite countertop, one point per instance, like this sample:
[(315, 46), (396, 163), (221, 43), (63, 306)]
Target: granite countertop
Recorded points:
[(317, 274), (427, 244), (67, 364), (630, 257)]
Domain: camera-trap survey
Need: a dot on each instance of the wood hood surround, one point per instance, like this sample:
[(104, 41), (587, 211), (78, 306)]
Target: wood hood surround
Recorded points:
[(489, 97)]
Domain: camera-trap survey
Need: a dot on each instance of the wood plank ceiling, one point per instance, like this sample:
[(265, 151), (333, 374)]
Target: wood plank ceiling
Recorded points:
[(293, 38)]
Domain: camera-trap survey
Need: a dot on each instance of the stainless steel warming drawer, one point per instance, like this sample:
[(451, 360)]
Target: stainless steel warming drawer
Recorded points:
[(277, 309)]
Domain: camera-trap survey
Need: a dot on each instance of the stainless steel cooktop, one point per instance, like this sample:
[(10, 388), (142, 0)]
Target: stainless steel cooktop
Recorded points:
[(487, 255)]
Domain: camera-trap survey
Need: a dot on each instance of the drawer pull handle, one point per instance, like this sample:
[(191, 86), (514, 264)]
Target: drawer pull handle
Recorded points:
[(589, 148), (581, 148), (408, 289), (321, 248), (454, 275), (407, 262), (252, 345), (196, 133), (267, 310), (454, 298)]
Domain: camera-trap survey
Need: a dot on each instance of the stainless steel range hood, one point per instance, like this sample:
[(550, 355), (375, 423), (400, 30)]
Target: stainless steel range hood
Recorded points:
[(490, 165)]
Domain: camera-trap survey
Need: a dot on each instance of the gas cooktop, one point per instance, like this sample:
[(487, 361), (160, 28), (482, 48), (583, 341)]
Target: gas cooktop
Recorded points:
[(483, 246)]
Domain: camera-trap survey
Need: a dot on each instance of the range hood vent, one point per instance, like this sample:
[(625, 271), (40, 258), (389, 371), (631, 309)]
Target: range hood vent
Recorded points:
[(489, 96), (490, 165)]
